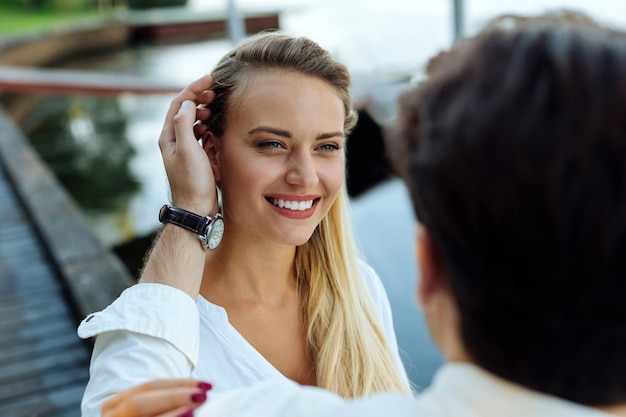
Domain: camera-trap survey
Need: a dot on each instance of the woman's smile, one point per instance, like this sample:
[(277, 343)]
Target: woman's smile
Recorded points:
[(295, 207)]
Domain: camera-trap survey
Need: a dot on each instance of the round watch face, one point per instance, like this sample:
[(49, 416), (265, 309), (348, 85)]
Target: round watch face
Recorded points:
[(216, 233)]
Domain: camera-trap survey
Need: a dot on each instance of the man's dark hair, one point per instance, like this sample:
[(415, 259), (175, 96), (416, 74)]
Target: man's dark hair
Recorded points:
[(514, 152)]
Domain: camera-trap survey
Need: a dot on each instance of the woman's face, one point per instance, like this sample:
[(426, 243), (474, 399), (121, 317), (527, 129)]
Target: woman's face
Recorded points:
[(281, 158)]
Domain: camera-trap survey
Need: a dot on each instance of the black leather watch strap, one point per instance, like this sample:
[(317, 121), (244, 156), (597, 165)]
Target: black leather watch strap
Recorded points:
[(184, 219)]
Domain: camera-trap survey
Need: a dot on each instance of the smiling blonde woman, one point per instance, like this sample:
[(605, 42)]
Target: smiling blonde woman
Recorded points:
[(280, 293)]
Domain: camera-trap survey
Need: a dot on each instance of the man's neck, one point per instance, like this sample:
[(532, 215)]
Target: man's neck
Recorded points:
[(618, 410)]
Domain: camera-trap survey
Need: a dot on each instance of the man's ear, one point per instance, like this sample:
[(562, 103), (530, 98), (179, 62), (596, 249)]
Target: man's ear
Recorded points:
[(432, 277), (212, 147)]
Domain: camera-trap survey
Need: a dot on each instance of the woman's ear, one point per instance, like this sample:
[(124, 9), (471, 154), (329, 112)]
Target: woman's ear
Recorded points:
[(212, 147)]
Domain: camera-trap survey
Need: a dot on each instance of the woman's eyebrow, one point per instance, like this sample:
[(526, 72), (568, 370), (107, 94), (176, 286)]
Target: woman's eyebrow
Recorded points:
[(267, 129), (287, 134), (330, 135)]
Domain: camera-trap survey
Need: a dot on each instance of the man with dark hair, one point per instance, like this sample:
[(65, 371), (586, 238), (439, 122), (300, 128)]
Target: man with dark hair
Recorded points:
[(514, 153)]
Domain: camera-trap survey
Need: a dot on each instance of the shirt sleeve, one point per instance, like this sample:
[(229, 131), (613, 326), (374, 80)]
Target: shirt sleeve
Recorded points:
[(281, 399), (150, 332), (382, 306), (270, 399)]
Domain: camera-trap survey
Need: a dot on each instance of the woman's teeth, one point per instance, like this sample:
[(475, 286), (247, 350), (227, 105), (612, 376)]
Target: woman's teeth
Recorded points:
[(293, 205)]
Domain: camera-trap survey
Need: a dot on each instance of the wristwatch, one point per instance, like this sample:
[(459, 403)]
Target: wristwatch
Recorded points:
[(209, 229)]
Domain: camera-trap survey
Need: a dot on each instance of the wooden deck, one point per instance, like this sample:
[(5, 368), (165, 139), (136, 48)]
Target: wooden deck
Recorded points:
[(53, 271), (43, 364)]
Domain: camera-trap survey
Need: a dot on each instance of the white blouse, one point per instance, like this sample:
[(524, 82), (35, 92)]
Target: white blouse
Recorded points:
[(201, 343)]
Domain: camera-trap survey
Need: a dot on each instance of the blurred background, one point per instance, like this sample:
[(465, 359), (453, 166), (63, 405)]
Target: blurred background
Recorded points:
[(93, 113)]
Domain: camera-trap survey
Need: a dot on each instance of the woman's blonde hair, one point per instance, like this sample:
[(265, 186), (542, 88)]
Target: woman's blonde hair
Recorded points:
[(344, 335)]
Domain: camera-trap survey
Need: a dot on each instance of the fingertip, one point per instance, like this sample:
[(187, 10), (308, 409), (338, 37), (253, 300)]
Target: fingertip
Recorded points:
[(188, 105), (198, 397), (205, 80), (206, 386)]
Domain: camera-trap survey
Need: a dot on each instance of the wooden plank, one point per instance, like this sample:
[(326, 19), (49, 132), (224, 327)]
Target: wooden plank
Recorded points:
[(161, 25), (74, 357), (16, 226), (31, 279), (21, 252), (32, 334), (26, 266), (50, 403), (40, 319), (46, 382), (11, 305), (39, 348)]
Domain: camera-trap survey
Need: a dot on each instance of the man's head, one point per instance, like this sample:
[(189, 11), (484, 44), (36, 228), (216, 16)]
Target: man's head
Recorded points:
[(514, 152)]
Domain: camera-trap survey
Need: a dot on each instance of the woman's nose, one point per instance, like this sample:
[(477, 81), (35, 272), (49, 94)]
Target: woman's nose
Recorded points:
[(302, 171)]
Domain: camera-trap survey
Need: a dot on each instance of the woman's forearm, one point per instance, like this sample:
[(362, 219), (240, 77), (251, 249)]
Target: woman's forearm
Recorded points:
[(177, 259)]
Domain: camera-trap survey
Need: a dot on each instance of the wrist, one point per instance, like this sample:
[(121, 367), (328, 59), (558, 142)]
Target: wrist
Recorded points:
[(182, 237), (209, 229)]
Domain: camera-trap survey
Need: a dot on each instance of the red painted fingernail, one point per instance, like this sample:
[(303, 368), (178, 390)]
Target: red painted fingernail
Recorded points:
[(198, 397), (206, 386), (188, 413)]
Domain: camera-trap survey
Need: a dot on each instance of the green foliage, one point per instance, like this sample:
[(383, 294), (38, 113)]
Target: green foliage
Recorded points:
[(18, 17), (83, 141)]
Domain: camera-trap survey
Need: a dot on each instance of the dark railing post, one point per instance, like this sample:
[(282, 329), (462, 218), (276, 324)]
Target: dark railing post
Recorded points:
[(236, 24), (459, 19)]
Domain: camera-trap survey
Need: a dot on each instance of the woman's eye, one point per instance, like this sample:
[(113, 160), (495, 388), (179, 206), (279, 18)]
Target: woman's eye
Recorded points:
[(330, 147), (271, 144)]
